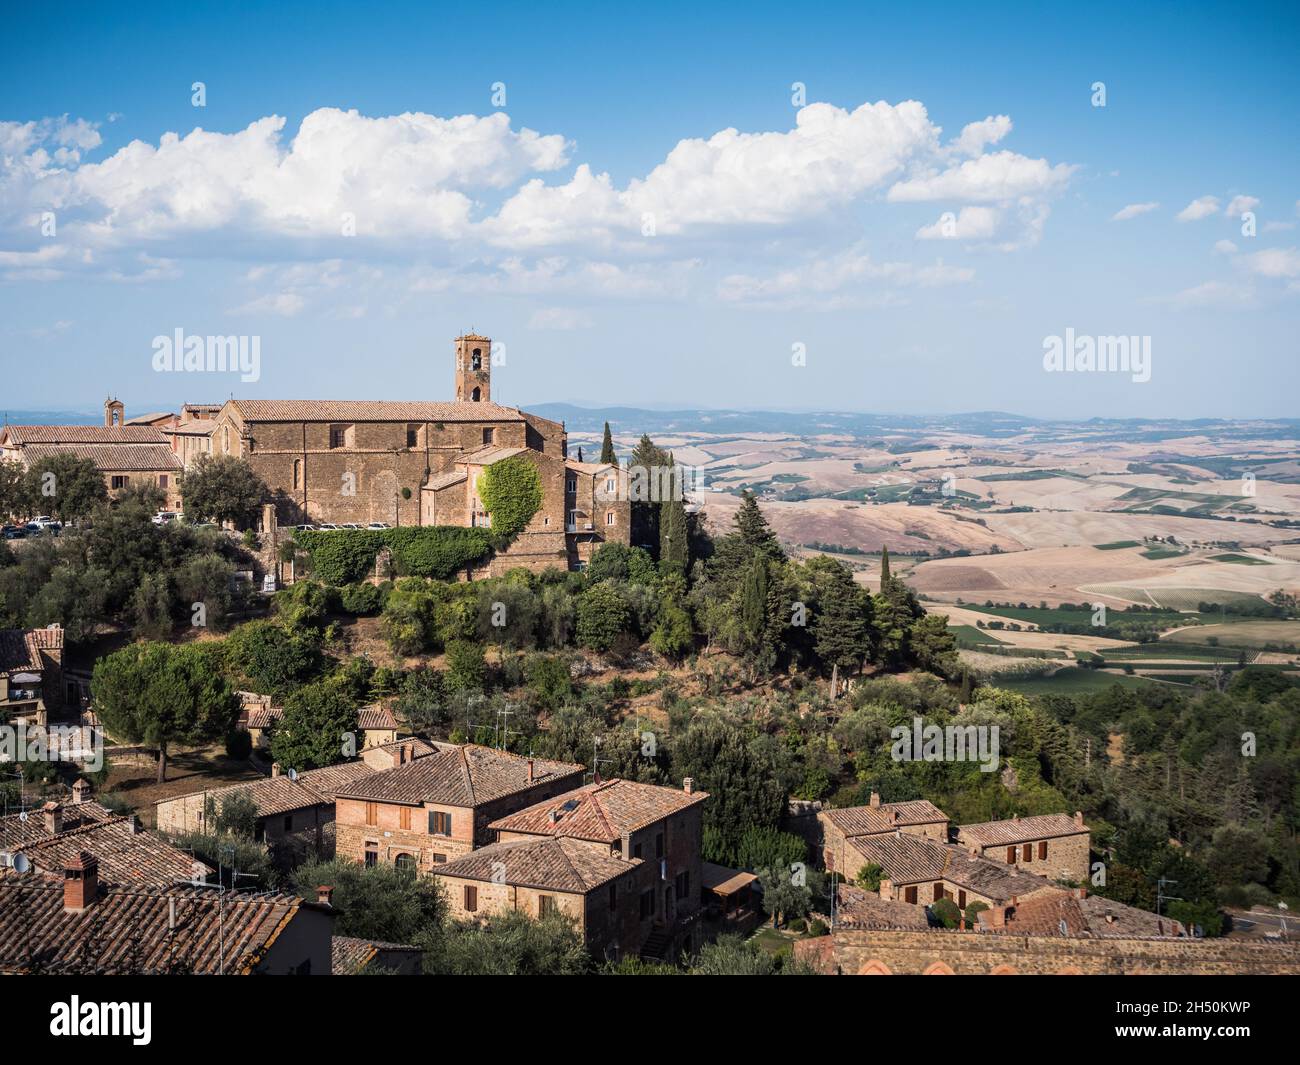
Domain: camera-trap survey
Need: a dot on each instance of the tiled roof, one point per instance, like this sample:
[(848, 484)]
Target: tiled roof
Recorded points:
[(145, 457), (136, 930), (1019, 830), (20, 649), (375, 717), (570, 865), (350, 956), (1124, 920), (485, 456), (862, 820), (865, 909), (281, 795), (445, 480), (262, 717), (370, 410), (329, 780), (150, 418), (908, 859), (463, 776), (128, 857), (588, 467), (602, 812), (194, 427), (16, 831), (22, 435)]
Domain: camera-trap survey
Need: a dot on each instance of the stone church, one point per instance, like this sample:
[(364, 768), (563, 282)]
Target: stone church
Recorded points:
[(418, 462)]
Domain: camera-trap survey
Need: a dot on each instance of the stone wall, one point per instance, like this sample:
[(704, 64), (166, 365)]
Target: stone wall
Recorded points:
[(889, 952), (1067, 857)]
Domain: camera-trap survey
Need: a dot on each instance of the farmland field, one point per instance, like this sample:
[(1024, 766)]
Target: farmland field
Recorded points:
[(1250, 634)]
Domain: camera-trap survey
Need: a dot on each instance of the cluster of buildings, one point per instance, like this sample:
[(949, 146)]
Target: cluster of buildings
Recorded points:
[(395, 462)]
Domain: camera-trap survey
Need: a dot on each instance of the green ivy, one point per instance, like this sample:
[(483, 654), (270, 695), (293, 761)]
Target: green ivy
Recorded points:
[(344, 556), (512, 492)]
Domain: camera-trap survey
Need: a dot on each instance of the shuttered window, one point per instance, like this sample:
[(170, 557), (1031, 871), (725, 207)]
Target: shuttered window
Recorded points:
[(471, 898), (938, 892), (545, 905), (1027, 852), (1042, 850), (1011, 856), (404, 819), (961, 900), (372, 813), (910, 895)]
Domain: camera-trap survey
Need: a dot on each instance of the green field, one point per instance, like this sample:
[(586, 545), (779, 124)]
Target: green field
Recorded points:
[(1071, 681), (1117, 545), (1056, 616), (1241, 560), (1162, 652), (969, 634), (1251, 633), (1163, 552)]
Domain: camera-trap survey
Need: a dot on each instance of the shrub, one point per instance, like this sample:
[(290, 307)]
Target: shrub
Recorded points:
[(239, 744), (946, 911), (798, 925), (345, 556), (602, 615), (511, 491), (817, 927), (466, 668), (361, 599)]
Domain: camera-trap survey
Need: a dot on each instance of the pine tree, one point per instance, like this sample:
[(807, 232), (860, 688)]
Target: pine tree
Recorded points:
[(840, 624), (607, 448), (754, 530)]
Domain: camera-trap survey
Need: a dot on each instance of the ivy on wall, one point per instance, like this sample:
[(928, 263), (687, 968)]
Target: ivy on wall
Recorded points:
[(343, 556), (511, 491)]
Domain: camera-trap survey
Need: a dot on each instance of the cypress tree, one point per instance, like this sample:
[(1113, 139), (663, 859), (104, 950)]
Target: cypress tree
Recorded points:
[(673, 552), (754, 530), (607, 448), (884, 566)]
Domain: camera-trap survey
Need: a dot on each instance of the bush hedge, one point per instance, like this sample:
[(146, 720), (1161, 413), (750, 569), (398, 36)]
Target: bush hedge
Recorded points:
[(345, 556)]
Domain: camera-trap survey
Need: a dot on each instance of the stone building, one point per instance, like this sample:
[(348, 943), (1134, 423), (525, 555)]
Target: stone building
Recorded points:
[(1056, 846), (917, 817), (424, 813), (31, 674), (418, 462), (620, 857), (125, 454)]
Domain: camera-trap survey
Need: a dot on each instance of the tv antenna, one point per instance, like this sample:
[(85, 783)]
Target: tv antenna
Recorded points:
[(1161, 897), (596, 760)]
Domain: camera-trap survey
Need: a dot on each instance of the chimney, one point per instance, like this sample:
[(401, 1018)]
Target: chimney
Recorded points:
[(688, 785), (275, 770), (53, 818), (1110, 917), (80, 791), (1078, 819), (998, 916), (325, 895), (875, 799), (80, 882), (133, 824), (1081, 892), (553, 815), (627, 846), (973, 849), (886, 888), (530, 771)]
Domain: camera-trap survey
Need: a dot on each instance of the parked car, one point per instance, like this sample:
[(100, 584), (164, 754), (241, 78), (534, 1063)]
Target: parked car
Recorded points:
[(326, 525), (165, 517), (40, 521), (379, 525), (15, 532), (304, 528), (349, 525)]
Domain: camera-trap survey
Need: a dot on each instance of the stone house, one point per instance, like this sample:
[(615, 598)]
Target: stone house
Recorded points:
[(1056, 846), (426, 812), (918, 817), (636, 853), (31, 674), (126, 455)]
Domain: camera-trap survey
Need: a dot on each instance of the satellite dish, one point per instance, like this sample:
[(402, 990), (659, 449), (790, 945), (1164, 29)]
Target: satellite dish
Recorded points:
[(293, 774), (22, 816), (21, 864)]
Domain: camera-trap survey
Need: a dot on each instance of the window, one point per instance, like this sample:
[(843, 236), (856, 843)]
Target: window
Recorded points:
[(404, 818), (636, 851), (338, 436), (545, 905), (439, 859), (489, 436), (938, 892), (961, 900), (613, 896), (910, 894), (372, 854), (647, 903), (609, 517), (1011, 856), (412, 436), (288, 822), (1027, 852), (405, 862), (439, 823), (297, 473), (119, 481), (372, 813), (476, 359), (1042, 850), (162, 480), (659, 844), (609, 486), (471, 898), (683, 885), (476, 395), (573, 484), (225, 439)]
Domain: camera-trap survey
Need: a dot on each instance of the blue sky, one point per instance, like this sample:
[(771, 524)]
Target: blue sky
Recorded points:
[(918, 254)]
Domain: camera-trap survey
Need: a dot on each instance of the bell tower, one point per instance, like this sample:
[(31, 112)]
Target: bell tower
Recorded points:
[(114, 411), (473, 369)]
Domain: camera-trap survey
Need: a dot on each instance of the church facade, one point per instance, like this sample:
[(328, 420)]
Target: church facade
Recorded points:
[(416, 462)]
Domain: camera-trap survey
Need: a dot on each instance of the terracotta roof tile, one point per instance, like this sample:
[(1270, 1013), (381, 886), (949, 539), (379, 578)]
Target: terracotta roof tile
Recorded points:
[(601, 812), (370, 410), (22, 435), (128, 856), (130, 930), (1019, 830), (17, 831), (461, 776), (145, 457), (569, 865), (862, 820), (906, 859), (20, 649), (350, 955)]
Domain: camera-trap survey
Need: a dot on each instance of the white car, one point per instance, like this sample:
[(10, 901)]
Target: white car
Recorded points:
[(165, 517), (379, 525), (42, 521), (349, 525), (327, 525)]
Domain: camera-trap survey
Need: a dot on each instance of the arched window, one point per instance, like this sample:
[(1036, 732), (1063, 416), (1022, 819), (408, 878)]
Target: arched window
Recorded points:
[(297, 473), (476, 360), (225, 439), (475, 395), (405, 862)]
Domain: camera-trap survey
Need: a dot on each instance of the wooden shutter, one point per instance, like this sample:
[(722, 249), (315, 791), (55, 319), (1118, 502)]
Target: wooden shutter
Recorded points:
[(1011, 856), (405, 819), (372, 813), (938, 892), (961, 900), (1027, 852), (1042, 850), (471, 898)]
